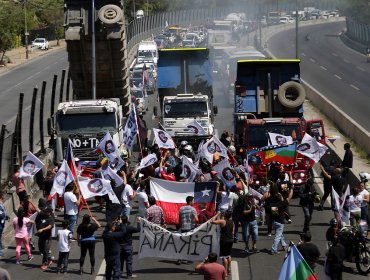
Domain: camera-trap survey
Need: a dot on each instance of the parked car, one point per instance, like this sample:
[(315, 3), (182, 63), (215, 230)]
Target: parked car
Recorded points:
[(40, 43), (161, 43), (139, 97)]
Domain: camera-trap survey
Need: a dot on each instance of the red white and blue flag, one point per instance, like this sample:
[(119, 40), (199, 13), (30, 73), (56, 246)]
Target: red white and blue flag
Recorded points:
[(69, 157), (171, 196)]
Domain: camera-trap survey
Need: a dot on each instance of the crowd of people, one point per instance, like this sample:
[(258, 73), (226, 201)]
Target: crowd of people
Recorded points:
[(237, 206)]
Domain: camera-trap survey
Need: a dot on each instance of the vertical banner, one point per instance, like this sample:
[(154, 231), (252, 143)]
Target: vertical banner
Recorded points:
[(131, 129), (194, 245)]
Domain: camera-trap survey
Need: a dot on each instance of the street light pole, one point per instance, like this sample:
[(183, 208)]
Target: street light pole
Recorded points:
[(296, 30), (93, 58), (25, 28)]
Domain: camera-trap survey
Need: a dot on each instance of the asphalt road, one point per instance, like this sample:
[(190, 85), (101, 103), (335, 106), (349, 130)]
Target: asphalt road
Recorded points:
[(335, 70)]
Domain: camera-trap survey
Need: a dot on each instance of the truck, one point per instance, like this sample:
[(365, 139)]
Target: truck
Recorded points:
[(85, 122), (147, 52), (112, 77), (185, 93), (269, 98)]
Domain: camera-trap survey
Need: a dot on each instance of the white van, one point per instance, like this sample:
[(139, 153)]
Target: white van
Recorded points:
[(285, 20), (147, 52), (139, 14)]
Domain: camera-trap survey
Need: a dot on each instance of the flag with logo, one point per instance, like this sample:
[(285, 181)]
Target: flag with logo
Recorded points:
[(109, 174), (225, 173), (107, 146), (131, 129), (171, 196), (310, 148), (195, 128), (279, 139), (295, 267), (31, 165), (284, 154), (189, 169), (63, 177), (163, 139), (148, 161), (341, 205), (211, 147)]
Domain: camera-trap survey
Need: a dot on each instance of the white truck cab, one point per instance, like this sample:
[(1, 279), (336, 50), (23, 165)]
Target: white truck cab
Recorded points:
[(147, 52)]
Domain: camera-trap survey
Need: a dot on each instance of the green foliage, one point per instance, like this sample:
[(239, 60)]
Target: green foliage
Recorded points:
[(357, 9)]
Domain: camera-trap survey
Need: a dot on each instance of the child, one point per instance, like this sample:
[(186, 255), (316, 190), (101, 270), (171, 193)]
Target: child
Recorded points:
[(64, 239)]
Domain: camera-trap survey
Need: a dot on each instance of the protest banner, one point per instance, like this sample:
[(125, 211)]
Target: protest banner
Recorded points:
[(194, 245), (131, 129), (30, 166)]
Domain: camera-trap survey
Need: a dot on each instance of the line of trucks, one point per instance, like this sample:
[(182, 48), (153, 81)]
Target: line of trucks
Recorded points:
[(268, 96)]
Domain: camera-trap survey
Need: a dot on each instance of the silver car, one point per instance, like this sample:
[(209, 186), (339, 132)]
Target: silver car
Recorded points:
[(40, 43)]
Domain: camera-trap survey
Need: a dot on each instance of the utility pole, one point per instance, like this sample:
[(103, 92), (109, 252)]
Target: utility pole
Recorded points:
[(296, 30), (93, 58), (25, 28)]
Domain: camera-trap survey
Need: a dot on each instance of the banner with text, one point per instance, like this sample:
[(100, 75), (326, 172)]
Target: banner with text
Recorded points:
[(196, 244)]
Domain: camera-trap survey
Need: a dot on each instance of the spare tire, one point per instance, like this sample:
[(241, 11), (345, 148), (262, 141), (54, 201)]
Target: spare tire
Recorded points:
[(110, 14), (291, 94)]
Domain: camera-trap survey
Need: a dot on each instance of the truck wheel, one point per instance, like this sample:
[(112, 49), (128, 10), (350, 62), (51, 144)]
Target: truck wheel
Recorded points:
[(110, 14), (291, 94)]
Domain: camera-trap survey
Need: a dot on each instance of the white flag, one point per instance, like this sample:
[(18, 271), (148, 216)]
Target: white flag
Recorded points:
[(163, 139), (111, 194), (94, 187), (189, 169), (279, 139), (62, 179), (345, 207), (110, 150), (131, 129), (310, 148), (148, 160), (195, 128), (225, 173), (212, 146), (30, 166), (110, 175)]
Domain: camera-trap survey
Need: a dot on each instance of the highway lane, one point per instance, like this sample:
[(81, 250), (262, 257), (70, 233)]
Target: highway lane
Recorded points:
[(338, 72)]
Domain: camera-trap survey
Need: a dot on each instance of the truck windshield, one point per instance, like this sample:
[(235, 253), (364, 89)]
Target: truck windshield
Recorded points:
[(185, 109), (258, 134), (90, 123), (146, 54)]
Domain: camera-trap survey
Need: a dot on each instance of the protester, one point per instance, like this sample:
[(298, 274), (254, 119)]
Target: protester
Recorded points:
[(249, 223), (86, 240), (44, 225), (154, 213), (365, 202), (111, 240), (309, 251), (166, 173), (335, 257), (72, 200), (64, 237), (128, 194), (29, 209), (355, 201), (327, 184), (211, 269), (277, 207), (226, 238), (3, 217), (347, 161), (18, 182), (307, 196), (126, 249), (204, 214), (4, 274), (21, 235), (285, 187), (142, 199)]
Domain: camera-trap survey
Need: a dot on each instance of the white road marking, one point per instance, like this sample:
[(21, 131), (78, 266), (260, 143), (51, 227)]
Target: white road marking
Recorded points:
[(303, 54), (322, 67), (101, 271), (353, 86), (13, 118), (334, 54), (346, 61), (336, 76), (234, 270), (360, 68), (312, 60)]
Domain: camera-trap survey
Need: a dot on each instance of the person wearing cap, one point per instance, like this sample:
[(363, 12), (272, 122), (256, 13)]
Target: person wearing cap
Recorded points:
[(309, 251)]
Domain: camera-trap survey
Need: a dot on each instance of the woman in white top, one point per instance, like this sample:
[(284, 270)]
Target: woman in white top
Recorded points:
[(354, 203), (365, 202)]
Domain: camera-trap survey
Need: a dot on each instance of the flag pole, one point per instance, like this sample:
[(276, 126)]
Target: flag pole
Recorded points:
[(139, 142)]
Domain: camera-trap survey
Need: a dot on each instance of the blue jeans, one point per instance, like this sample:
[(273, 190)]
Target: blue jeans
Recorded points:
[(250, 229), (72, 221), (1, 242), (279, 236), (126, 212), (307, 212), (112, 270), (126, 256)]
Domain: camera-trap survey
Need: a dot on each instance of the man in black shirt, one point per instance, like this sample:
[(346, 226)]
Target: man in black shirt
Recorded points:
[(126, 245), (347, 161), (112, 251), (250, 226), (336, 255), (309, 251), (44, 225)]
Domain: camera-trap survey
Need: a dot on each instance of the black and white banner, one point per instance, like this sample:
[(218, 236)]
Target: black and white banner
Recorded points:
[(211, 147), (196, 128), (131, 129), (62, 179), (225, 173), (110, 175), (279, 139), (163, 139), (97, 187), (148, 161), (194, 245), (310, 148), (30, 166), (107, 146), (189, 169)]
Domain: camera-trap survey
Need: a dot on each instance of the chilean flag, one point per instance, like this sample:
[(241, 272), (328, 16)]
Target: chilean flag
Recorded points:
[(171, 196)]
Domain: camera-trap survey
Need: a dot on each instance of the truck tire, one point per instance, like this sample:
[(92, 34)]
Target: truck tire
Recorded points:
[(110, 14), (291, 94)]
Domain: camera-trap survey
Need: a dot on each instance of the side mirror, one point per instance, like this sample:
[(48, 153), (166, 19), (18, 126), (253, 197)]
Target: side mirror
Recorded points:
[(215, 110), (50, 126), (155, 111)]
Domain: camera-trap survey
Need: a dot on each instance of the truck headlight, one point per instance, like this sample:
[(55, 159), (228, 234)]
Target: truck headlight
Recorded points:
[(302, 175)]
